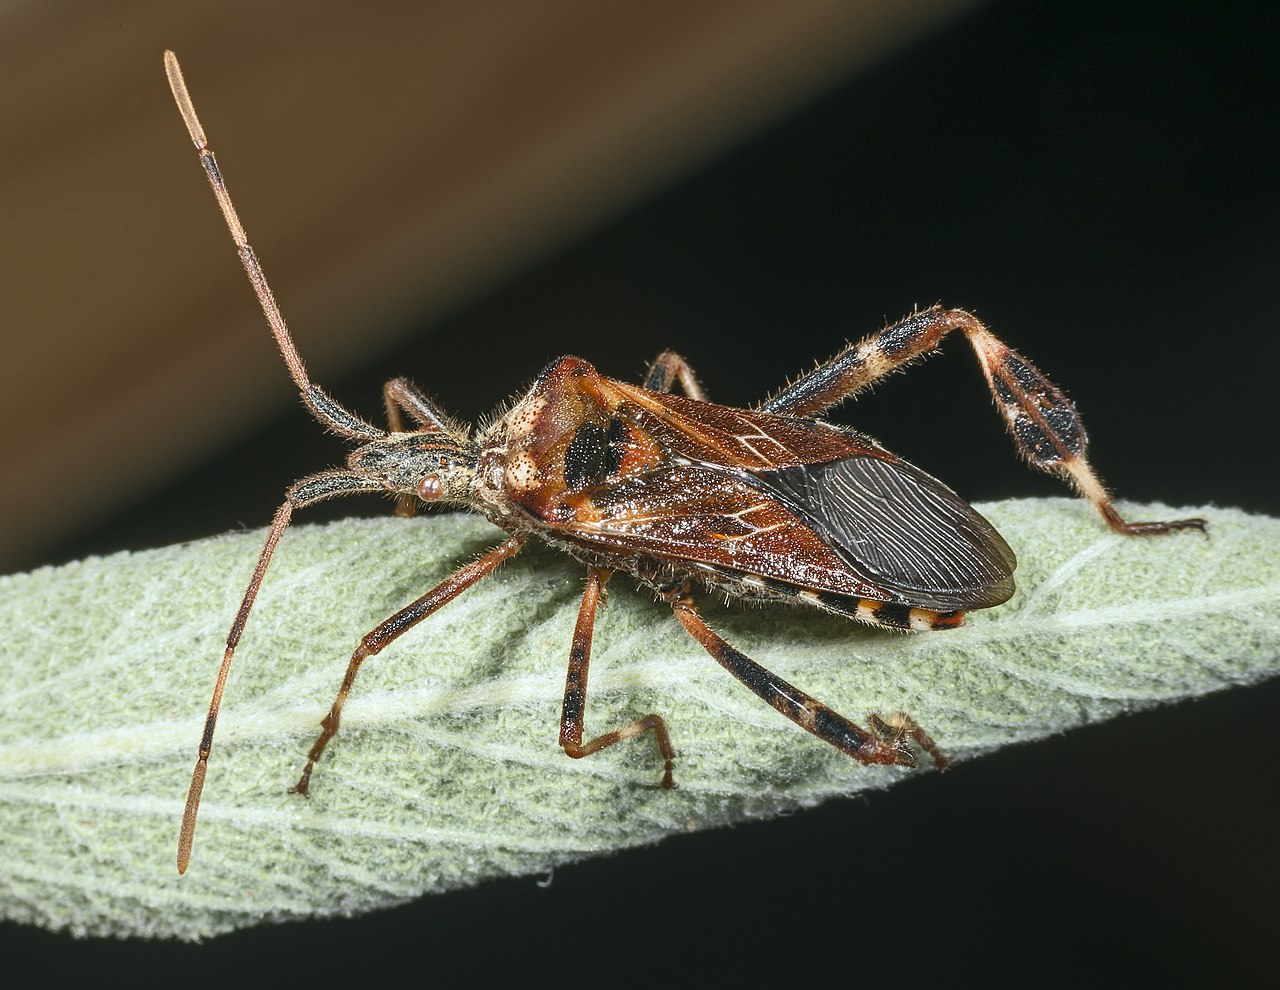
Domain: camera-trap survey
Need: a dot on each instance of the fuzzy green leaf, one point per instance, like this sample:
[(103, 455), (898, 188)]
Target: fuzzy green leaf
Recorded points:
[(447, 771)]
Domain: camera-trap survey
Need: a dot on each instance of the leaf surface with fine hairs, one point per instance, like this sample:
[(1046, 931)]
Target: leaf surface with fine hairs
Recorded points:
[(447, 771)]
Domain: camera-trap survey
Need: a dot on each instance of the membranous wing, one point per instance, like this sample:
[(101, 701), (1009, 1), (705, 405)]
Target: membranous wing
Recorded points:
[(899, 528), (796, 501)]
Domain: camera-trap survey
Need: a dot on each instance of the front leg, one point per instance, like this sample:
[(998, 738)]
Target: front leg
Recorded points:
[(1044, 424), (391, 629), (575, 689), (401, 395), (668, 368)]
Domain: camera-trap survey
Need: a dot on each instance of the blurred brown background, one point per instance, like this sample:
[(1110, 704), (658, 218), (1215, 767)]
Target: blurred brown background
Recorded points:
[(389, 161), (752, 184)]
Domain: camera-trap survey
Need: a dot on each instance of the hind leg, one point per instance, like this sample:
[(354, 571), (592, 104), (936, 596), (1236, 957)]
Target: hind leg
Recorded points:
[(1044, 424)]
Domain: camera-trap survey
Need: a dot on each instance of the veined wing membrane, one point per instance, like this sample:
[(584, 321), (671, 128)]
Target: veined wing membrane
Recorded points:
[(901, 529)]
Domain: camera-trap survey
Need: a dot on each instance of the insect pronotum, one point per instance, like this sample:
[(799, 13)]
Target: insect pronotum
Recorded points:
[(769, 503)]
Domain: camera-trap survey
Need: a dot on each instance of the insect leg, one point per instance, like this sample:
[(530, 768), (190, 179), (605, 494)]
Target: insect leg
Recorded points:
[(390, 629), (1044, 424), (667, 368), (308, 491), (861, 364), (575, 689), (884, 742), (401, 395)]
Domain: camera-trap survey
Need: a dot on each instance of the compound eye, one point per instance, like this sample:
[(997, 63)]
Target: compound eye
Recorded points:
[(430, 488)]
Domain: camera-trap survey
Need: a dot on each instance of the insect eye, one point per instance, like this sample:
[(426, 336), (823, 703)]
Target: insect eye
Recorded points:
[(430, 488)]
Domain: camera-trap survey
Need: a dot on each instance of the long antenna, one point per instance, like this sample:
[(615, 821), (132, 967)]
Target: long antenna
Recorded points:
[(321, 405)]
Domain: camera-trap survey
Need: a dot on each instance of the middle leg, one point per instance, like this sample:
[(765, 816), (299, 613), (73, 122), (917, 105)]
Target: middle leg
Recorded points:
[(575, 689)]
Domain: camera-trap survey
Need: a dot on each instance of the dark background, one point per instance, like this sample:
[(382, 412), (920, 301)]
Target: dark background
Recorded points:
[(1097, 183)]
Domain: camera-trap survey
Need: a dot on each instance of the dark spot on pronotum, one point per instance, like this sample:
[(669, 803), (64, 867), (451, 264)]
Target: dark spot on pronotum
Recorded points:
[(617, 449), (587, 457)]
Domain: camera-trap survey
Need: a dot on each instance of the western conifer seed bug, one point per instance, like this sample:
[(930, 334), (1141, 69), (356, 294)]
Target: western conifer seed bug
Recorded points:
[(769, 503)]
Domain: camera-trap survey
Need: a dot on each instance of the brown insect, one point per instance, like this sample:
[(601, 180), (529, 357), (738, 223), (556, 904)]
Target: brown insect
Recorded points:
[(768, 503)]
